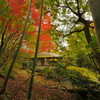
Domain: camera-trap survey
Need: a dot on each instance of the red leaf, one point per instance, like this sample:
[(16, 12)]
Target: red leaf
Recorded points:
[(23, 50), (45, 37), (35, 13), (46, 26), (31, 52)]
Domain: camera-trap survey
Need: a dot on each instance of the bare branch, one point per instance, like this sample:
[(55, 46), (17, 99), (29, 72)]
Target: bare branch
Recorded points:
[(67, 6), (78, 8), (73, 32)]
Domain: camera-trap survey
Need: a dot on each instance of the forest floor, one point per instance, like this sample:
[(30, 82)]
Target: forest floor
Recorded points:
[(43, 89)]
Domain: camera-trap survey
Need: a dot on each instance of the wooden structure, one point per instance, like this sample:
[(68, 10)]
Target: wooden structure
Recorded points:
[(47, 59)]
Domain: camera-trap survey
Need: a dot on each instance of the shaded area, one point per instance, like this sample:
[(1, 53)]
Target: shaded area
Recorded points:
[(43, 89)]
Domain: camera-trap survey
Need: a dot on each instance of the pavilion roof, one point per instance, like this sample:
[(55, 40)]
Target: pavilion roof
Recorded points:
[(47, 54)]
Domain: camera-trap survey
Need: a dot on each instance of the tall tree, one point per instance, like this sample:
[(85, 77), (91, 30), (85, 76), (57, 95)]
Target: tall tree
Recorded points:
[(95, 6), (71, 17)]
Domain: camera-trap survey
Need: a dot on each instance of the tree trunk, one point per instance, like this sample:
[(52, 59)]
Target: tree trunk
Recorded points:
[(3, 39), (95, 7), (95, 53), (35, 56)]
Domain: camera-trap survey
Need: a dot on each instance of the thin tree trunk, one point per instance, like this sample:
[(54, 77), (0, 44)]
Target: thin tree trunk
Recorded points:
[(2, 39), (95, 7), (35, 57), (17, 51)]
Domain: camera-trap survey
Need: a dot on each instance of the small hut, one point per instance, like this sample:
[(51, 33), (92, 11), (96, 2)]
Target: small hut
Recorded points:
[(47, 59)]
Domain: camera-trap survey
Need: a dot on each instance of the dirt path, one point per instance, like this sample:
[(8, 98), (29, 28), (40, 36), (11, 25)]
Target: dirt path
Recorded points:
[(43, 89)]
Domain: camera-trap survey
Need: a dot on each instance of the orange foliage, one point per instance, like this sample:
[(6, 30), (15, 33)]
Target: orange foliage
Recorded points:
[(46, 26), (25, 42), (32, 33), (35, 13), (31, 52), (17, 6), (18, 9), (45, 37)]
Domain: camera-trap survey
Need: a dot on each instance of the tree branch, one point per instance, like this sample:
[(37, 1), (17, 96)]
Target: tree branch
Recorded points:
[(67, 6), (73, 32), (78, 8)]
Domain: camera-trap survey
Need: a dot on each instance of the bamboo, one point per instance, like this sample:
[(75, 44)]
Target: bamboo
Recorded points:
[(35, 56)]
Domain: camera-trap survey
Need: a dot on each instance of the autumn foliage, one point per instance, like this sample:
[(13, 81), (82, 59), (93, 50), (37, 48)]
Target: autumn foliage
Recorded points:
[(15, 23), (12, 23)]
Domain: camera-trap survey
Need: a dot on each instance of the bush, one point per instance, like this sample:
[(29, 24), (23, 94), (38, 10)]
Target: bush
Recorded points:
[(82, 77), (79, 80), (49, 73), (27, 64), (60, 70), (57, 73), (84, 80)]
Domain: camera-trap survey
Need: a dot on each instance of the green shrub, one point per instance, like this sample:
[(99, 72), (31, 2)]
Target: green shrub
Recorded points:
[(82, 77), (79, 80), (60, 70), (86, 81), (27, 64), (49, 72)]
